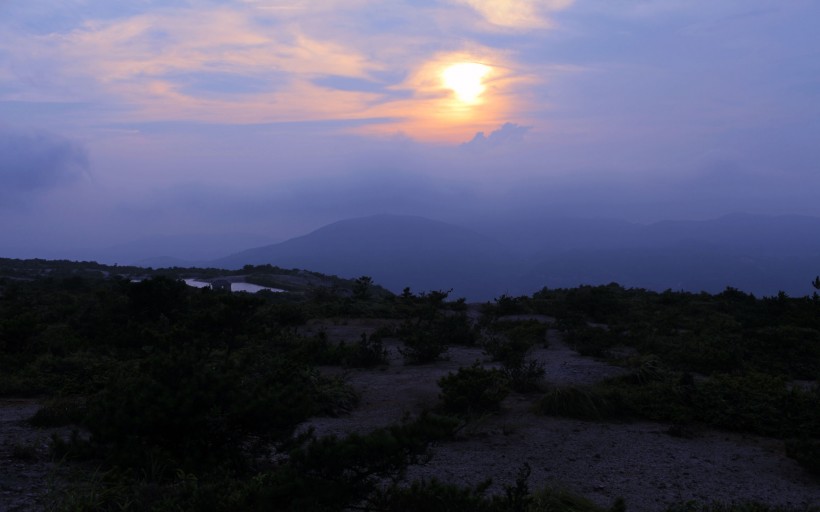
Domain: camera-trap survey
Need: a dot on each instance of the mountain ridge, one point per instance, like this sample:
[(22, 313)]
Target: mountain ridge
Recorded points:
[(759, 254), (755, 253), (398, 251)]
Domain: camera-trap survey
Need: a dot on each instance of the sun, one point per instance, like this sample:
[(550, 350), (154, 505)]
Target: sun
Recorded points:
[(465, 79)]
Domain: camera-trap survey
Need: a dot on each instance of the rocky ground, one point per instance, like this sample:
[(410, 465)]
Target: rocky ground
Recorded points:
[(639, 461), (27, 473)]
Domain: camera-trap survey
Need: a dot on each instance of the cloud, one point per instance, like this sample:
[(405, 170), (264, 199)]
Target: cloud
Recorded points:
[(632, 97), (258, 62), (526, 14), (508, 133), (155, 62), (33, 162)]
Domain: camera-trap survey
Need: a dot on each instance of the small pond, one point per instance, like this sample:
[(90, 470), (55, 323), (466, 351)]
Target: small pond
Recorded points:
[(235, 287)]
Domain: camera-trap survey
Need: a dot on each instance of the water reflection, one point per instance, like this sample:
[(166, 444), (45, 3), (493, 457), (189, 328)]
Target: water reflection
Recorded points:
[(234, 287)]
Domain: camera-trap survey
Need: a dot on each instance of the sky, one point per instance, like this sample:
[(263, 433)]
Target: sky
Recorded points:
[(123, 120)]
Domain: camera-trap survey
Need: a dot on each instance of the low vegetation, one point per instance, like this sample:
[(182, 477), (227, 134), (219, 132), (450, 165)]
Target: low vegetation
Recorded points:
[(473, 391), (190, 399)]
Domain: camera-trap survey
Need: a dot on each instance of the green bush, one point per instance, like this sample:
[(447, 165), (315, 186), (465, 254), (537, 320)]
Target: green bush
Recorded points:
[(456, 329), (806, 452), (428, 328), (434, 496), (422, 346), (746, 506), (666, 399), (506, 351), (531, 332), (585, 403), (784, 350), (367, 353), (751, 402), (473, 390), (524, 376), (592, 341), (509, 342), (553, 499), (59, 412), (332, 473), (193, 408)]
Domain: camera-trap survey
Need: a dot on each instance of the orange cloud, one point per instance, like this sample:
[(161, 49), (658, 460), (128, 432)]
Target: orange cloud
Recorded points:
[(526, 14), (139, 65), (435, 112)]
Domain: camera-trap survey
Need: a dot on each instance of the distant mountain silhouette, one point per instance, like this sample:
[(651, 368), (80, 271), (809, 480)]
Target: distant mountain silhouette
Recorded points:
[(754, 253), (398, 252), (164, 262), (758, 235), (534, 236), (757, 254), (689, 267), (772, 235)]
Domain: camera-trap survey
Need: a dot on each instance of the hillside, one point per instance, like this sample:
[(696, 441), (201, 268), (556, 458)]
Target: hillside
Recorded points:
[(397, 251), (758, 254)]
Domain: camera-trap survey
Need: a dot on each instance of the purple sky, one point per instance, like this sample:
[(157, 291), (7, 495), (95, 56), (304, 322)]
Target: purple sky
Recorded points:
[(120, 120)]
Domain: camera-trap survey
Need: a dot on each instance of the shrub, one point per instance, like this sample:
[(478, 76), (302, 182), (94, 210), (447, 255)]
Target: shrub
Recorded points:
[(456, 329), (427, 330), (367, 353), (806, 452), (422, 346), (332, 473), (191, 408), (524, 376), (76, 447), (434, 496), (666, 398), (751, 402), (746, 506), (59, 412), (505, 351), (551, 499), (585, 403), (592, 341), (530, 332), (473, 390)]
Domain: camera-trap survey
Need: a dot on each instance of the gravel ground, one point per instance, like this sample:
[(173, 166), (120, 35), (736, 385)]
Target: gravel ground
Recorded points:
[(26, 471), (638, 461)]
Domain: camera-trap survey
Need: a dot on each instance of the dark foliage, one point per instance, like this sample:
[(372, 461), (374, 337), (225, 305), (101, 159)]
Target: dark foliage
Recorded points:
[(181, 395), (429, 325), (473, 390), (806, 452)]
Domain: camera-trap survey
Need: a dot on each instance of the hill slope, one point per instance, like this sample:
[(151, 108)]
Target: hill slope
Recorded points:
[(397, 251), (758, 254)]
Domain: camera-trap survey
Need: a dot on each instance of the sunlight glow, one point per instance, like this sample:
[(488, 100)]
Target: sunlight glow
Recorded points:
[(465, 79)]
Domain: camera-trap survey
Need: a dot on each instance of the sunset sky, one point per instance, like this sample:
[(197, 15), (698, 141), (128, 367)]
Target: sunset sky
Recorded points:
[(120, 120)]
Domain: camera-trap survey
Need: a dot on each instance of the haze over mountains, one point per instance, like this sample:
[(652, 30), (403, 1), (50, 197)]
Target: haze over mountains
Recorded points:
[(758, 254), (397, 251)]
